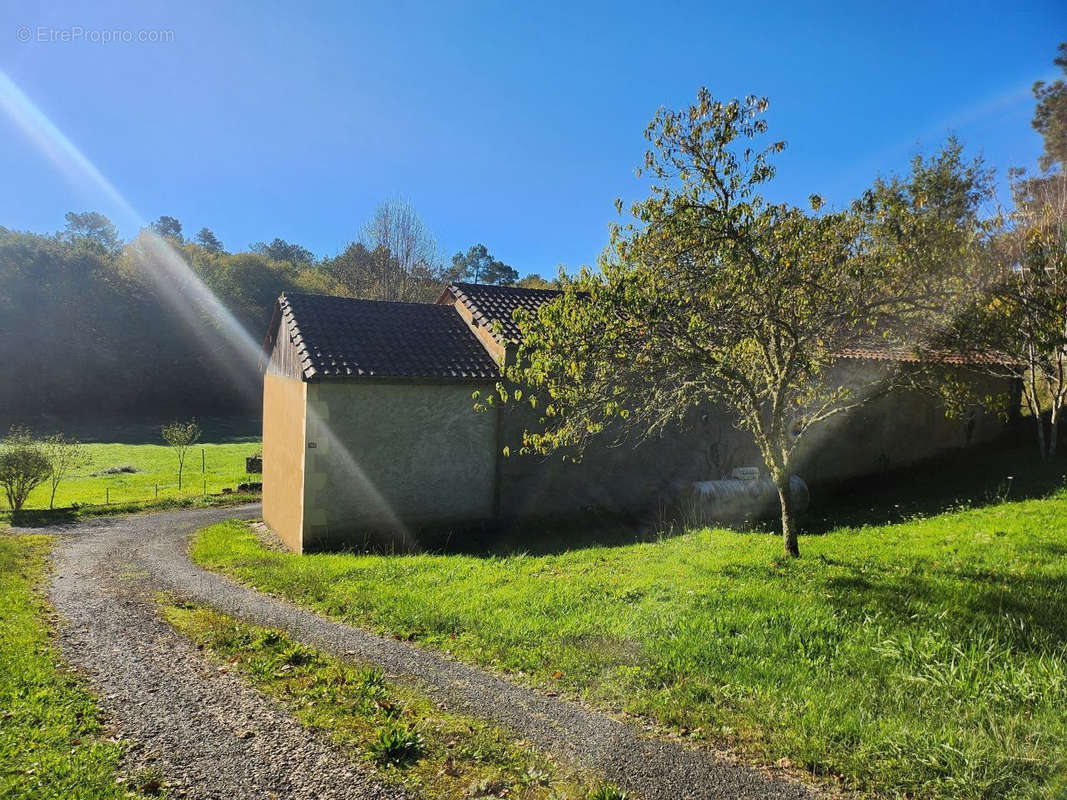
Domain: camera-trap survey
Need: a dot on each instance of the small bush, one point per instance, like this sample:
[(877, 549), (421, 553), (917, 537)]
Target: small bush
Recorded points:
[(371, 678), (487, 787), (370, 683), (23, 466), (535, 776), (396, 746), (125, 469)]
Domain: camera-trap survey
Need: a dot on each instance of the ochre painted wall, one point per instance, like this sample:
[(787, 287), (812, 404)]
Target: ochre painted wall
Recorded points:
[(283, 457), (384, 460)]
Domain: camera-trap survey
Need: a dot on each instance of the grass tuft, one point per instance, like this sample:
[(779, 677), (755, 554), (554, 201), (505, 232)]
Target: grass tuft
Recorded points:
[(607, 791), (396, 745)]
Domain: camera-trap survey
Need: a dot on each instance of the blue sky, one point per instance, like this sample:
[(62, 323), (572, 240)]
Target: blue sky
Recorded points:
[(512, 124)]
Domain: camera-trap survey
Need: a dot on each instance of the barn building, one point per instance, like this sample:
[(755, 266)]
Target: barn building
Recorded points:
[(370, 431)]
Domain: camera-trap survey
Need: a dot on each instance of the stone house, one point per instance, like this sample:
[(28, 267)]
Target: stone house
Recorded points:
[(370, 431)]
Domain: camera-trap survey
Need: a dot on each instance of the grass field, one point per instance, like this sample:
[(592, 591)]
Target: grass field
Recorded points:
[(51, 743), (127, 462), (154, 465), (926, 658)]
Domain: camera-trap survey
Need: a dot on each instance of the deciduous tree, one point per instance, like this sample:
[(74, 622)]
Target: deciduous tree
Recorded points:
[(281, 250), (94, 227), (536, 282), (181, 436), (64, 456), (395, 258), (168, 228), (1021, 311), (712, 295)]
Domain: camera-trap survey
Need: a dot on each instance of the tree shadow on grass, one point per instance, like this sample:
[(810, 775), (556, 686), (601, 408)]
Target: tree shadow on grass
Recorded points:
[(70, 515), (1027, 612), (540, 536), (973, 478), (41, 518)]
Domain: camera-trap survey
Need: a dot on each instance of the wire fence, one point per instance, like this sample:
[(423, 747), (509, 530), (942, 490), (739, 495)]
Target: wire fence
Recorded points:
[(191, 489), (190, 486)]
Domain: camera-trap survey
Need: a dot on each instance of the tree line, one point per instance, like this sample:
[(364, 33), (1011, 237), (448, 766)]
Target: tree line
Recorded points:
[(89, 328)]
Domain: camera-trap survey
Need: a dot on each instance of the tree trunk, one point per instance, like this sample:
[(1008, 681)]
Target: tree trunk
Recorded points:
[(1053, 434), (789, 518), (1041, 436)]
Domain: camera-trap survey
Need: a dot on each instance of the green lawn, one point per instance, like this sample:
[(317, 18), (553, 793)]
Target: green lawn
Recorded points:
[(154, 464), (51, 744), (926, 658)]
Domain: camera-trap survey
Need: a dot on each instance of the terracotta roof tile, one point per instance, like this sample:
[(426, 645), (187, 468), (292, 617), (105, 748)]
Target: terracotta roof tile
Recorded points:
[(343, 338)]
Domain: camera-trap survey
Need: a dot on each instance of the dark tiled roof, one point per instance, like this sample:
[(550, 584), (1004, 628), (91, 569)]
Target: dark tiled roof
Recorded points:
[(338, 337), (489, 304)]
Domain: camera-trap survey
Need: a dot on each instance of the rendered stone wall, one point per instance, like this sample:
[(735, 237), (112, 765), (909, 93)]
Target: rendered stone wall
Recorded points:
[(380, 462), (891, 431), (384, 460)]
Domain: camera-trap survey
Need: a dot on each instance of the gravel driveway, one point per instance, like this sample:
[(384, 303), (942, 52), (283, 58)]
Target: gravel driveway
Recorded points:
[(214, 737), (210, 734)]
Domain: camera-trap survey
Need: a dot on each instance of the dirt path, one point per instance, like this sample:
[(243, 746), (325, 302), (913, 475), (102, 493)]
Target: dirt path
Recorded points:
[(192, 719)]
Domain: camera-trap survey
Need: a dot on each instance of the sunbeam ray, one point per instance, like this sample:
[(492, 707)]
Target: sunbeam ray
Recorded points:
[(184, 293)]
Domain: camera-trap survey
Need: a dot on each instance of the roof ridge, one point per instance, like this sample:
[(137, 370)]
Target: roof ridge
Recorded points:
[(355, 299), (498, 287)]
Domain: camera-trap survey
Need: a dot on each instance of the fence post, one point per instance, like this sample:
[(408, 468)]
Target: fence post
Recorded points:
[(107, 495), (157, 490)]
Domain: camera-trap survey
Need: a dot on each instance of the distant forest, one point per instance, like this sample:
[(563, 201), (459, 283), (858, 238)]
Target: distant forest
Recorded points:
[(92, 326)]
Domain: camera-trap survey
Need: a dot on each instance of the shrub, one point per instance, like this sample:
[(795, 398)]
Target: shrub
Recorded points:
[(23, 466), (125, 469)]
